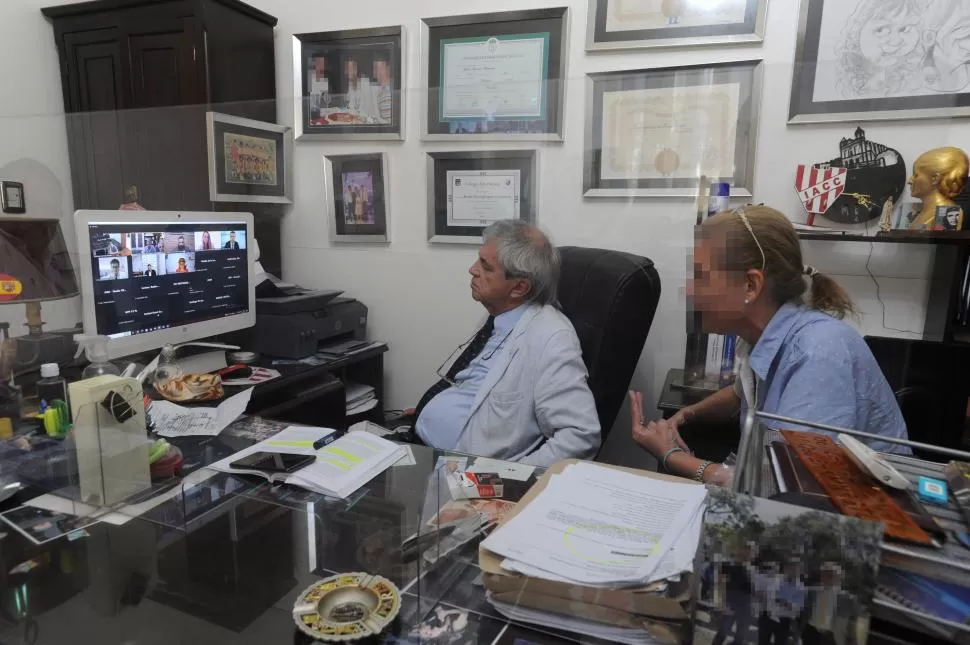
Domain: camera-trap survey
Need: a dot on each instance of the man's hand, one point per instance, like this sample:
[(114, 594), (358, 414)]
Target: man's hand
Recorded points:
[(657, 437)]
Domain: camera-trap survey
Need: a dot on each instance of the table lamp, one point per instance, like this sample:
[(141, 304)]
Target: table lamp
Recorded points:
[(35, 266)]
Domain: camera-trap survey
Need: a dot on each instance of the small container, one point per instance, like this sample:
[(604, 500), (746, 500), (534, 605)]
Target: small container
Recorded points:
[(52, 386), (95, 350), (720, 199)]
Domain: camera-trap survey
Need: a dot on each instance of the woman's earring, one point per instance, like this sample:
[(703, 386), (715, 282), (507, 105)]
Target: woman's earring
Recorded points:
[(747, 301)]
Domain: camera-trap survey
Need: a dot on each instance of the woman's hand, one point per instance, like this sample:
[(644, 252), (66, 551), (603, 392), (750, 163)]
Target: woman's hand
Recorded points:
[(657, 437)]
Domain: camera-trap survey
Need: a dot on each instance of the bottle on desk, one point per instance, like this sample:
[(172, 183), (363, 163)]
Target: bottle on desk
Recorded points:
[(53, 387)]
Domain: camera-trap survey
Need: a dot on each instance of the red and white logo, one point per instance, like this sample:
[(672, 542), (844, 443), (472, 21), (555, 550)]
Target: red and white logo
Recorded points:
[(819, 188)]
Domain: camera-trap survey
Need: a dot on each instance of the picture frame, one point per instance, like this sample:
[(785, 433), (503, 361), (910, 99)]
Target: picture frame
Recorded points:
[(838, 77), (249, 161), (12, 197), (458, 212), (331, 108), (530, 46), (692, 121), (626, 25), (358, 209)]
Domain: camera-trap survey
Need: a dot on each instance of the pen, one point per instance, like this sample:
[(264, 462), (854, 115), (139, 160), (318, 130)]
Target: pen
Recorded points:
[(324, 441)]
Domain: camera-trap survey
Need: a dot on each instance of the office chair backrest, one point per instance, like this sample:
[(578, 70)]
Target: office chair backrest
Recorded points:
[(611, 298), (931, 385)]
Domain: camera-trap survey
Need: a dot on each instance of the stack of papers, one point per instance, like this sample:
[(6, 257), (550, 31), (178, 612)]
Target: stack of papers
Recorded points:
[(360, 398), (341, 467), (601, 527), (602, 631)]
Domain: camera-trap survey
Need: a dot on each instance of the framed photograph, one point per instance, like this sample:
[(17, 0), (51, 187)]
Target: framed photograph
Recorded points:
[(357, 204), (12, 197), (495, 75), (782, 571), (249, 161), (649, 24), (874, 60), (468, 191), (351, 84), (654, 132)]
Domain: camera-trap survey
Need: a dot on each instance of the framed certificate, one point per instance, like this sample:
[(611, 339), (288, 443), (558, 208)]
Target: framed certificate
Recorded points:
[(648, 24), (495, 75), (350, 84), (654, 132), (249, 161), (357, 204), (468, 191), (874, 60)]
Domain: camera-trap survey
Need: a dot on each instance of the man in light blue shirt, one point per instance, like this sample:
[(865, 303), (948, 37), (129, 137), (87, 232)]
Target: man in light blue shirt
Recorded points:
[(518, 391), (436, 425)]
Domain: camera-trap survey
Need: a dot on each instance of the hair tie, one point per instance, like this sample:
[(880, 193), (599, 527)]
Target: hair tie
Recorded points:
[(810, 271)]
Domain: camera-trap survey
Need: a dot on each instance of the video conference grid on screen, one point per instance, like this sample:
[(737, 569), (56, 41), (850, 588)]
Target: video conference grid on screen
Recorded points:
[(149, 277)]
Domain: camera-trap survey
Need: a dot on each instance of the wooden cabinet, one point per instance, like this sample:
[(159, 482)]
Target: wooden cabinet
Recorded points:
[(138, 77)]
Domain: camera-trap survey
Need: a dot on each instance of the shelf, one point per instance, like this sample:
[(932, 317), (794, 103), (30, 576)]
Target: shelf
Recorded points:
[(895, 237)]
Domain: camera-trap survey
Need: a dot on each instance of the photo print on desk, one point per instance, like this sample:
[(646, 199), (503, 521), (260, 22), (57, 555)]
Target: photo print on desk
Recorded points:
[(350, 83), (859, 60), (468, 191), (358, 209), (249, 161), (648, 24), (789, 571), (495, 75), (654, 132)]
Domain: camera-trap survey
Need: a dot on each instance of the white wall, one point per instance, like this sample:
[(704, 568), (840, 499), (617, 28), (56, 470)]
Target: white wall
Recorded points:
[(418, 294), (34, 136)]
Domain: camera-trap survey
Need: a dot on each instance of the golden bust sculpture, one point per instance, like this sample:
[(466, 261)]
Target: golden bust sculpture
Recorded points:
[(938, 177)]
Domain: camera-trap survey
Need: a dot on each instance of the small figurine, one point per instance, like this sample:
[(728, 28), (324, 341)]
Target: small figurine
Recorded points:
[(938, 176), (886, 221)]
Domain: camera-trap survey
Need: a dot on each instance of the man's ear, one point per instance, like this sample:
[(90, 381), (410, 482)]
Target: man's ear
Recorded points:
[(521, 288)]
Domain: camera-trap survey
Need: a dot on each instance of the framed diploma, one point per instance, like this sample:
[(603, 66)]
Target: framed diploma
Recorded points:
[(654, 132), (349, 84), (357, 204), (648, 24), (495, 75), (875, 60), (249, 161), (468, 191)]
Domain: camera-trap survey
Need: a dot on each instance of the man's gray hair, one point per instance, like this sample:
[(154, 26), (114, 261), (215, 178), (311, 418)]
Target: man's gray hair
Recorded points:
[(525, 252)]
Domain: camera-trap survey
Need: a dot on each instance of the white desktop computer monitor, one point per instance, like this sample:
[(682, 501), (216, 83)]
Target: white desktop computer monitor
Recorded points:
[(149, 278)]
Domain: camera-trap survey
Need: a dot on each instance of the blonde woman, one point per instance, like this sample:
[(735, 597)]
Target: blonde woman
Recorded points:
[(798, 359)]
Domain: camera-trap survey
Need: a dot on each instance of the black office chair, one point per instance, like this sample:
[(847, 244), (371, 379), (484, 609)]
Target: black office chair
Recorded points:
[(611, 298), (931, 387)]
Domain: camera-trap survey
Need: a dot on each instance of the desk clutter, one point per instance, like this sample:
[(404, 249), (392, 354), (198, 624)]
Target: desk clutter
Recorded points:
[(337, 467)]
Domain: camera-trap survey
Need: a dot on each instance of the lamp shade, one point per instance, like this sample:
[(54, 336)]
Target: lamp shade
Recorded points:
[(34, 261)]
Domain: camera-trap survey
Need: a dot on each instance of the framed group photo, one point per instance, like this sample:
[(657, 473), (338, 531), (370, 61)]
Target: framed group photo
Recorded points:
[(357, 205), (648, 24), (350, 84), (495, 75), (654, 132), (249, 161), (468, 191), (874, 60)]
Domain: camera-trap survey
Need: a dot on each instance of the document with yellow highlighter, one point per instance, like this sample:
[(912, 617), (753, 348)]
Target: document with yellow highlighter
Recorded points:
[(340, 468)]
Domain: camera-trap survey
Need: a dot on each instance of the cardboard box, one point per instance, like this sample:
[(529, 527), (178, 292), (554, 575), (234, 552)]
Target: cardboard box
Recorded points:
[(668, 633), (587, 602)]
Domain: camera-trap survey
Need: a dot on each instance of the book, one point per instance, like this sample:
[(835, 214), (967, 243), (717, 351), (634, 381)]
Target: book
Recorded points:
[(342, 465), (727, 359), (715, 349)]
